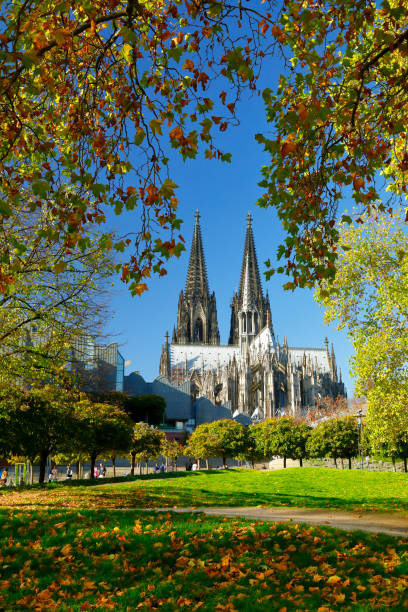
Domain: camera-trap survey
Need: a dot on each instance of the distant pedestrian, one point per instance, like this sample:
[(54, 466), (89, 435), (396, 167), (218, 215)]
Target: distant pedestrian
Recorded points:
[(102, 471), (69, 472), (96, 473), (156, 468), (162, 467), (194, 467), (54, 473), (4, 477)]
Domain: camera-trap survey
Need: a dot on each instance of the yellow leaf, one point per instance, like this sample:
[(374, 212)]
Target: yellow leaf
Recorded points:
[(334, 580)]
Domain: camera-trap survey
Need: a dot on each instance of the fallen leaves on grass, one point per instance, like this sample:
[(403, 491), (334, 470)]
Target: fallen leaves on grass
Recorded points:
[(106, 559)]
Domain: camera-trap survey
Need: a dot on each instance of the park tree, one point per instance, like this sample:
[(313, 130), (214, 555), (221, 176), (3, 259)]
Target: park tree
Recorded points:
[(387, 421), (290, 438), (146, 444), (336, 438), (39, 421), (228, 437), (338, 124), (94, 98), (251, 451), (171, 450), (202, 443), (103, 430), (369, 298), (265, 438), (56, 296), (148, 407)]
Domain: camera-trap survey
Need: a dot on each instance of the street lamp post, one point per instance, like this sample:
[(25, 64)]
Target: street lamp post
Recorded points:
[(359, 416)]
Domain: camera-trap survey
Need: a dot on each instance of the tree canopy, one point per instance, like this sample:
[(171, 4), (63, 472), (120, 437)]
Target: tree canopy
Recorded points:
[(56, 297), (94, 95), (338, 121), (369, 299)]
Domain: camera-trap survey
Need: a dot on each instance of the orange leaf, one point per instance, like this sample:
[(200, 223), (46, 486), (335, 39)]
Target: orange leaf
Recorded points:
[(287, 148), (358, 183)]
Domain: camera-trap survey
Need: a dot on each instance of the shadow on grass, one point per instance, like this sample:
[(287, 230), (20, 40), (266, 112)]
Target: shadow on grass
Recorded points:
[(95, 482)]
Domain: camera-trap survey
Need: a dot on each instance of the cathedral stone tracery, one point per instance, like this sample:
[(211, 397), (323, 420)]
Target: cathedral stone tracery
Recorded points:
[(253, 374)]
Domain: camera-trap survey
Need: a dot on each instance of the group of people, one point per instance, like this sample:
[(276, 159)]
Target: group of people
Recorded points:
[(159, 468), (99, 472)]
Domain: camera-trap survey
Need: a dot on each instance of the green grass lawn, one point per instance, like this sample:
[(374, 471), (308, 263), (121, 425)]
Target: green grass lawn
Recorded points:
[(113, 560), (301, 487)]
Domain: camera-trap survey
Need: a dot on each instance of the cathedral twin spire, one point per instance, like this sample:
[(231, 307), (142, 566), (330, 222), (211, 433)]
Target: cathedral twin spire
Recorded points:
[(197, 282), (197, 310), (250, 291)]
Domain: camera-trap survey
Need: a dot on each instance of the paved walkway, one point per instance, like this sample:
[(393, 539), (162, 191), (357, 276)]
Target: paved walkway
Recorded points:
[(390, 524)]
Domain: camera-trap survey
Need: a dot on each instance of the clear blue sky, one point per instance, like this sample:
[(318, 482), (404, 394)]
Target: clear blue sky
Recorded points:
[(223, 193)]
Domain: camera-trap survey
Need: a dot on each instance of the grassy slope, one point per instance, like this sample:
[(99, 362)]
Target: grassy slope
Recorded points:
[(112, 560), (302, 487)]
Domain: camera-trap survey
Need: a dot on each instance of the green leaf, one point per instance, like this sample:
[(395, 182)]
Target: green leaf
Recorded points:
[(41, 188)]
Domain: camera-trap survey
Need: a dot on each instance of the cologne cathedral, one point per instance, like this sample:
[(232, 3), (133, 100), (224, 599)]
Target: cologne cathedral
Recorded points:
[(253, 374)]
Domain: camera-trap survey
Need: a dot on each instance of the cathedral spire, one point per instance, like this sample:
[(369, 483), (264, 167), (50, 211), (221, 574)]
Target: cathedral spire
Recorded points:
[(197, 309), (197, 283), (250, 261), (250, 289)]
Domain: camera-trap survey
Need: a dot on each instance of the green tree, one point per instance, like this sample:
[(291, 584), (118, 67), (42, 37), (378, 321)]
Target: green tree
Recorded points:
[(56, 295), (290, 438), (95, 95), (251, 451), (146, 444), (336, 438), (103, 430), (148, 407), (202, 443), (387, 421), (338, 121), (39, 421), (228, 439), (369, 298), (171, 450), (265, 438)]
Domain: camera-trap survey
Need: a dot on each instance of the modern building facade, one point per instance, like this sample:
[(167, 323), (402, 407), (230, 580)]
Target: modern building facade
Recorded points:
[(97, 368), (254, 373)]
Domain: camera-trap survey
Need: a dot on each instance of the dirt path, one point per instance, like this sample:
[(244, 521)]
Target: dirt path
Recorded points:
[(373, 523)]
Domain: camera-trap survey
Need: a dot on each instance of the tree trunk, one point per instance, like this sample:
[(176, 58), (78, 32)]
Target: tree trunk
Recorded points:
[(43, 463), (405, 464), (301, 462), (284, 462), (114, 466), (31, 476), (206, 463), (175, 464), (335, 462), (349, 461), (253, 464), (393, 464), (132, 462), (140, 468), (224, 461), (93, 461), (77, 468), (342, 463)]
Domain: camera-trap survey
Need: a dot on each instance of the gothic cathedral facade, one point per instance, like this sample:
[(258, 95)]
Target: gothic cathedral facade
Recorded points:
[(253, 374)]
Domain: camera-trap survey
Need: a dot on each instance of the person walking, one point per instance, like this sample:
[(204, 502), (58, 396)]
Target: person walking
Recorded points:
[(69, 472)]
